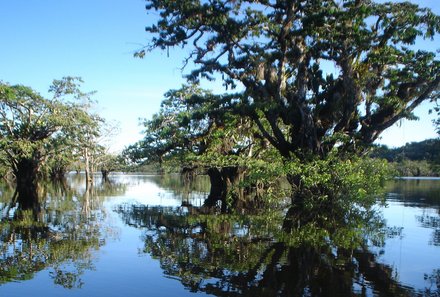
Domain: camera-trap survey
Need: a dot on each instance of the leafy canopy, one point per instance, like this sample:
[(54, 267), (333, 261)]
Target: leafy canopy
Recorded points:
[(198, 129), (322, 74)]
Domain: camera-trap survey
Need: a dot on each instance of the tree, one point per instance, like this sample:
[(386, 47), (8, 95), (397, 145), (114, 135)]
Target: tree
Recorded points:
[(4, 168), (109, 162), (99, 151), (328, 77), (200, 131), (437, 121), (33, 129), (413, 159)]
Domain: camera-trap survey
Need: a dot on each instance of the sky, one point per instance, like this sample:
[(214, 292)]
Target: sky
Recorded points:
[(43, 40)]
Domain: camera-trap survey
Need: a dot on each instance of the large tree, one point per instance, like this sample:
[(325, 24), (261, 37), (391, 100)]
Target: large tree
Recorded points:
[(320, 78)]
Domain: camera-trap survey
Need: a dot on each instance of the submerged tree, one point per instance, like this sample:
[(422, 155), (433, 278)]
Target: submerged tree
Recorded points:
[(198, 131), (108, 163), (34, 129), (321, 79)]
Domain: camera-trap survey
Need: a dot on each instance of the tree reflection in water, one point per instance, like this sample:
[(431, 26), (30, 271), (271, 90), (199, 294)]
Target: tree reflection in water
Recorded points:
[(251, 255), (60, 234), (430, 221)]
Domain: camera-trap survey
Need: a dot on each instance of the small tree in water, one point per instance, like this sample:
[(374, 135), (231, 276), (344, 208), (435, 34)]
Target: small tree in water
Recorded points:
[(33, 128), (202, 132)]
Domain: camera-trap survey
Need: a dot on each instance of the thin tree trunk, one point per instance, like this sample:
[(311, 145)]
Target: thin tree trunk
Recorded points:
[(89, 177)]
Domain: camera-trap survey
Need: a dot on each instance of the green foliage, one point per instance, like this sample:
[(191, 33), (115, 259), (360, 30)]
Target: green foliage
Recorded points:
[(280, 53), (190, 124), (171, 130), (334, 188), (43, 131), (198, 132), (426, 150), (110, 162), (436, 122), (407, 167)]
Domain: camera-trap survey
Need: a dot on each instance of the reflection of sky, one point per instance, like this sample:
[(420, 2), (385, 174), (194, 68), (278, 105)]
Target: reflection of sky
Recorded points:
[(144, 190), (148, 193), (412, 254)]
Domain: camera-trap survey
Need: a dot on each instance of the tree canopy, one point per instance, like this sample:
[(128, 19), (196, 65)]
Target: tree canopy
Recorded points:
[(196, 122), (321, 73)]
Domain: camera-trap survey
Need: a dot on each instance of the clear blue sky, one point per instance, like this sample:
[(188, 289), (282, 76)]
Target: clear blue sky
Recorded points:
[(42, 40)]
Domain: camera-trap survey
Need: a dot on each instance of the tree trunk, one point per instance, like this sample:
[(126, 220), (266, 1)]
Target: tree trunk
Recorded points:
[(218, 189), (26, 174), (105, 174), (225, 187), (89, 177), (189, 174)]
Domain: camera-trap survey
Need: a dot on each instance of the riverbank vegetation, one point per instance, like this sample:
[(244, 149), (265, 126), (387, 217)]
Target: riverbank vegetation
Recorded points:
[(413, 159)]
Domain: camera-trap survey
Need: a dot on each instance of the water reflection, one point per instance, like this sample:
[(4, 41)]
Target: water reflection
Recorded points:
[(363, 254), (415, 192), (427, 220), (422, 194), (235, 255), (188, 192), (61, 234)]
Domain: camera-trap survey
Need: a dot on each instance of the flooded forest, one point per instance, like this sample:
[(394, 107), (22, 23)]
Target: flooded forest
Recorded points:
[(271, 185)]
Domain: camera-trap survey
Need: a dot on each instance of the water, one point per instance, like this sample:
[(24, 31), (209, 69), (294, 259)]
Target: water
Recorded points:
[(132, 238)]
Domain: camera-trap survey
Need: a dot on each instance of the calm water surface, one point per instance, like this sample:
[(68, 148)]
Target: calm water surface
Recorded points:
[(132, 237)]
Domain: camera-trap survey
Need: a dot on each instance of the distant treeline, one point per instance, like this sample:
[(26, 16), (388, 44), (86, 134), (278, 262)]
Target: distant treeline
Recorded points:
[(413, 159)]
